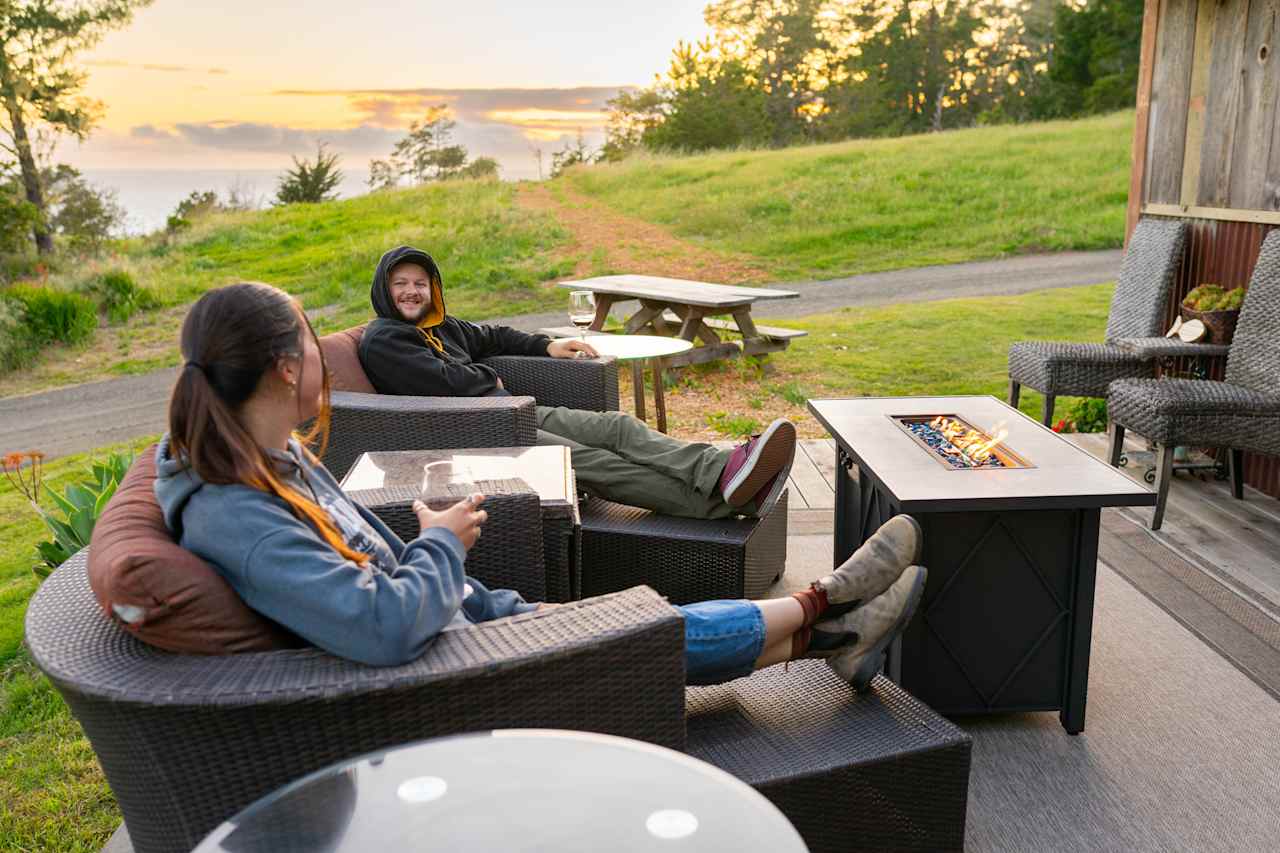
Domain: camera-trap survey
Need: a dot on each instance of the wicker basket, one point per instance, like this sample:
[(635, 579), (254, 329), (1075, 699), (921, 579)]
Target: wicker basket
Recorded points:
[(1221, 325)]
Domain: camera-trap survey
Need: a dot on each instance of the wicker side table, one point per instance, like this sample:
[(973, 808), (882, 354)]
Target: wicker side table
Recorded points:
[(685, 559), (877, 771), (543, 473)]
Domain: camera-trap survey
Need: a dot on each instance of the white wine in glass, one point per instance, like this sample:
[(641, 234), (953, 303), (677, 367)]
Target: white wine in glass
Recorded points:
[(582, 310)]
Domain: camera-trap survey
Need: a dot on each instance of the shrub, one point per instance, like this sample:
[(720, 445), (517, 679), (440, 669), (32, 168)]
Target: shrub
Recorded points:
[(17, 217), (309, 182), (56, 315), (119, 296), (17, 347), (86, 216), (1088, 414)]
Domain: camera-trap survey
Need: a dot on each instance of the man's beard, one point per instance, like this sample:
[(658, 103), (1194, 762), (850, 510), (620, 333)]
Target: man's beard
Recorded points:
[(413, 316)]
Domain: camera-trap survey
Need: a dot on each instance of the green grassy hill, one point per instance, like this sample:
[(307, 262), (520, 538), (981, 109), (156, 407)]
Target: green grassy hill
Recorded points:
[(812, 212), (866, 205), (494, 254)]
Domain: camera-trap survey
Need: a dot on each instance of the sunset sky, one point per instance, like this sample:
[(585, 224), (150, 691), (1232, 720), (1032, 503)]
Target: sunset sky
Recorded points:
[(244, 84)]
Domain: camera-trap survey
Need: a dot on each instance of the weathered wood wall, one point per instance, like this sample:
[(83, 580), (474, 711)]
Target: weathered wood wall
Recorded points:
[(1212, 134), (1207, 148)]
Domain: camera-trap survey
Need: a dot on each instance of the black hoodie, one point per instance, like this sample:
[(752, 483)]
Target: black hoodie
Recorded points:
[(435, 358)]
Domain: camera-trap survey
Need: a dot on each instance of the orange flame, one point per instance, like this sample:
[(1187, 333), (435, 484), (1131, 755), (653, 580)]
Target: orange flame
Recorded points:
[(974, 445)]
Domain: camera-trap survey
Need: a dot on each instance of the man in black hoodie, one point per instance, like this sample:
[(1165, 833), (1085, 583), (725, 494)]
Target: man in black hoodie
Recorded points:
[(415, 347)]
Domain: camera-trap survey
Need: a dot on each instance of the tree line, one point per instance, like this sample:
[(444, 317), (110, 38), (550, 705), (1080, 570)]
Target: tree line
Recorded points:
[(782, 72)]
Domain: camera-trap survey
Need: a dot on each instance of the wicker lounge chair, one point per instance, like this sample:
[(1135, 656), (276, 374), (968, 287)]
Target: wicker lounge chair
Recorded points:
[(363, 420), (1137, 311), (187, 741), (1242, 413)]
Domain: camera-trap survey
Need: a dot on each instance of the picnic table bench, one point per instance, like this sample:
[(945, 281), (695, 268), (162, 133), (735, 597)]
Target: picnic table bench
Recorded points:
[(685, 309)]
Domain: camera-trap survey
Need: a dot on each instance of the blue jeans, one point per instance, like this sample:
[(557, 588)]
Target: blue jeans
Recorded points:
[(722, 640)]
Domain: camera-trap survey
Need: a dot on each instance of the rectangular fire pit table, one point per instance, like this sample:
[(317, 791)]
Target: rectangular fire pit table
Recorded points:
[(1012, 551)]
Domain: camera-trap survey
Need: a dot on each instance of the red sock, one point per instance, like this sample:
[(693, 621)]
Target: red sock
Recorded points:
[(814, 602)]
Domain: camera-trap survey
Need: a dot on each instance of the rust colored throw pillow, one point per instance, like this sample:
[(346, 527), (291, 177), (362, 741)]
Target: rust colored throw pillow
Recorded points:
[(161, 593), (342, 358)]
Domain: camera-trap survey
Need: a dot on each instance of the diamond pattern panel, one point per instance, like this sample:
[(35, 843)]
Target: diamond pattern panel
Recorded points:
[(996, 612)]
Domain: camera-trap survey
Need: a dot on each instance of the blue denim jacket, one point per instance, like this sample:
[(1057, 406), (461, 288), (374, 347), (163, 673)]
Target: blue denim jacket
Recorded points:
[(383, 614)]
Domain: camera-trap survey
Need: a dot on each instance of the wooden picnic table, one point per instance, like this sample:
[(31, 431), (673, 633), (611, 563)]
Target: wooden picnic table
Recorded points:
[(676, 307)]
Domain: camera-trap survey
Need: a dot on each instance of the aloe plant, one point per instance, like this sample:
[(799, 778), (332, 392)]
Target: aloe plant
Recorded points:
[(80, 504)]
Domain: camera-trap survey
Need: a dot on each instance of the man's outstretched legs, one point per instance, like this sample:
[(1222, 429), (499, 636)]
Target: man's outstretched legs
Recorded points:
[(606, 474), (752, 473)]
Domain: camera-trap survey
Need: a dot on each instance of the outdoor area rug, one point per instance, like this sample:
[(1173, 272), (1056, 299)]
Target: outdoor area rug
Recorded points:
[(1180, 749)]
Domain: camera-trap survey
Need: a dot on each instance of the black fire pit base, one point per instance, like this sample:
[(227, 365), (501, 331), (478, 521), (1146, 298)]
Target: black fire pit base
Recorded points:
[(1012, 552), (1005, 622)]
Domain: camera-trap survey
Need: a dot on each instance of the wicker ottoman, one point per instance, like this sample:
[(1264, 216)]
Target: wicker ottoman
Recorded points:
[(880, 771), (685, 559)]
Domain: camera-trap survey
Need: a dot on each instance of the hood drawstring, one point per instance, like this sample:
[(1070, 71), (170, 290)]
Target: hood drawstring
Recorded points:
[(430, 337)]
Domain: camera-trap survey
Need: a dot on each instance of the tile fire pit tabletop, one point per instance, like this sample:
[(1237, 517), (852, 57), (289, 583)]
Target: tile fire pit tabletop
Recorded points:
[(1060, 475)]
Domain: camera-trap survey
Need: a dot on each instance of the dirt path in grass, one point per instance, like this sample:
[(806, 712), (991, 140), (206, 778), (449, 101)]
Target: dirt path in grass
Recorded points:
[(607, 242)]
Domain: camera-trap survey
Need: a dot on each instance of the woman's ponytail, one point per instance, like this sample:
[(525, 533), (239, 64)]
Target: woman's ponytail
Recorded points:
[(231, 338)]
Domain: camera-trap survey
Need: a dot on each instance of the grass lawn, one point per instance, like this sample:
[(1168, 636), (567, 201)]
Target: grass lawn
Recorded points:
[(52, 794), (865, 205), (957, 346)]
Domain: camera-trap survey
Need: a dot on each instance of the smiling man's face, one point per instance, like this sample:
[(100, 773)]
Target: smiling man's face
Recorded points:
[(410, 289)]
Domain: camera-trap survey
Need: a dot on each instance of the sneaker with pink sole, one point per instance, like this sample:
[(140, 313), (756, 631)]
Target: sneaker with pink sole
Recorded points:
[(757, 469)]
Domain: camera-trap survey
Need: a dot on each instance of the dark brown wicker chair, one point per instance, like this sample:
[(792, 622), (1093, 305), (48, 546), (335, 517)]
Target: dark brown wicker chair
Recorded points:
[(1242, 413), (365, 422), (1137, 310), (188, 741)]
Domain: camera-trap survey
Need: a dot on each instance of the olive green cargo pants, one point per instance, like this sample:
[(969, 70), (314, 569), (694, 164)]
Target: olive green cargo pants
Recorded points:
[(618, 458)]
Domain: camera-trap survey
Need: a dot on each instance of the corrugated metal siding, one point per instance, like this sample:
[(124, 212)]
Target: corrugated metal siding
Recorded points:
[(1224, 253)]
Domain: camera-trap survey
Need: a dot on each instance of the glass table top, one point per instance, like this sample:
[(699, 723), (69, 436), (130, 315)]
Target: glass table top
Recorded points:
[(547, 469), (628, 347), (514, 789)]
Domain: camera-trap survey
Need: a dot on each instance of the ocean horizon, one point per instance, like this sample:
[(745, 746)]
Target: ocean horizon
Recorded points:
[(149, 196)]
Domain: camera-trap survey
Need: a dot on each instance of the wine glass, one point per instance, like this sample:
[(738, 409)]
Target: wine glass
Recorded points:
[(446, 482), (582, 310)]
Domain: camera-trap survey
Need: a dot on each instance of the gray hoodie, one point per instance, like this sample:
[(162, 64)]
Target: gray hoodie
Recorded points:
[(383, 614)]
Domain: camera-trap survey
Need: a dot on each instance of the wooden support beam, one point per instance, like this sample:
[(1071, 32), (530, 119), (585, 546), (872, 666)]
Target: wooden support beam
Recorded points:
[(1201, 60), (603, 304), (1146, 73), (641, 318), (1225, 214), (702, 355), (656, 320)]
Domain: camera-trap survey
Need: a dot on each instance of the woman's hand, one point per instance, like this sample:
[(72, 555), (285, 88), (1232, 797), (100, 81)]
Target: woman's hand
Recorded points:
[(463, 519)]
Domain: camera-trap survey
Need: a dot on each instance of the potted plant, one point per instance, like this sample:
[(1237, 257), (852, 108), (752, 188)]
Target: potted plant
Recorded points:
[(1216, 307)]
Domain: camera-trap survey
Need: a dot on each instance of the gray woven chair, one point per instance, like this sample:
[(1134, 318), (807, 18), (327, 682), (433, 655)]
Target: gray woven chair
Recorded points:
[(1137, 311), (187, 741), (1242, 413)]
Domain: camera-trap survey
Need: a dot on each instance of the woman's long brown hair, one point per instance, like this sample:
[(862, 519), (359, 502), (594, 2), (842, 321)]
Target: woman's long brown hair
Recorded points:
[(232, 337)]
